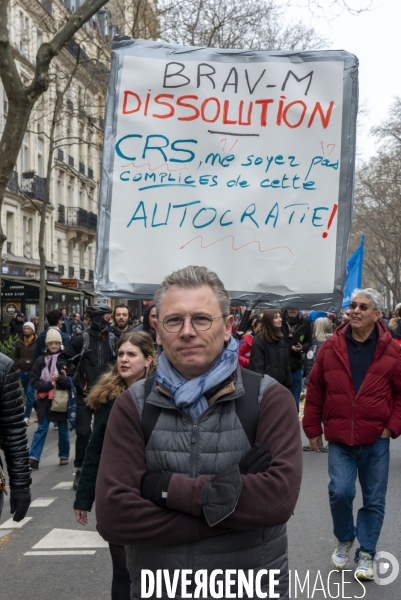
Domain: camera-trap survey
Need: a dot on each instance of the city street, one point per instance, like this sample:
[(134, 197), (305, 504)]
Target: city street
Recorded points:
[(51, 556)]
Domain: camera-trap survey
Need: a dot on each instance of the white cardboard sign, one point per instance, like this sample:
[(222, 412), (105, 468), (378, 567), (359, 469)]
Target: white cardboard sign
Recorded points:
[(240, 161)]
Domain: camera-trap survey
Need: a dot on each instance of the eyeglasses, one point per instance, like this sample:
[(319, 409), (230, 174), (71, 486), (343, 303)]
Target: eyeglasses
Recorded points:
[(175, 323), (362, 306)]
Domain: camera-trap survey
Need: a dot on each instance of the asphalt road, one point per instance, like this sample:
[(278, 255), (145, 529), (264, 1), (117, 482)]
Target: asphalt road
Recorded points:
[(37, 561)]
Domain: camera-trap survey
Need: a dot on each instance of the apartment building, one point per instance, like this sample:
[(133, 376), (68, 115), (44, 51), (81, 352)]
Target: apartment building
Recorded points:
[(71, 220)]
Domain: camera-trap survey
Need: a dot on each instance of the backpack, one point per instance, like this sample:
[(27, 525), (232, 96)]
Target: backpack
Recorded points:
[(246, 406)]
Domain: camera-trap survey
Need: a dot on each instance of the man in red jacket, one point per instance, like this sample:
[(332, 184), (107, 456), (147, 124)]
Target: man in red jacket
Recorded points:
[(355, 385)]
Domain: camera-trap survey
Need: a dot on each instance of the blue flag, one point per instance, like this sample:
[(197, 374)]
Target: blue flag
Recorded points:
[(354, 273)]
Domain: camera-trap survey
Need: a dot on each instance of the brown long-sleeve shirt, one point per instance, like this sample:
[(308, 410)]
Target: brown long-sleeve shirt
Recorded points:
[(267, 499)]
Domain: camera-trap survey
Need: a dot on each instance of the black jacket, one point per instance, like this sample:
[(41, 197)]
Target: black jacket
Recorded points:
[(271, 358), (98, 358), (117, 333), (13, 438), (85, 496), (43, 404), (299, 330), (16, 327)]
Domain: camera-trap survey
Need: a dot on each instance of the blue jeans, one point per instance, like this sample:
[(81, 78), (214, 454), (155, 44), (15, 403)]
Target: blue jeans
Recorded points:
[(39, 439), (25, 377), (296, 387), (371, 463)]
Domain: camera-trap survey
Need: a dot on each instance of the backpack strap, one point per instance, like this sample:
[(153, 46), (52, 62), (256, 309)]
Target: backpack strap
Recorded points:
[(84, 350), (150, 412), (247, 406)]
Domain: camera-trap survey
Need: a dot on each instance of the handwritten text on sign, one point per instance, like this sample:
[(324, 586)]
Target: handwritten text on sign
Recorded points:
[(228, 164)]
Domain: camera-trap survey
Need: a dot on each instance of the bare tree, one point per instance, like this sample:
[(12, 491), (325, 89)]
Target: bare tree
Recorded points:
[(249, 24), (378, 215), (330, 9), (21, 97)]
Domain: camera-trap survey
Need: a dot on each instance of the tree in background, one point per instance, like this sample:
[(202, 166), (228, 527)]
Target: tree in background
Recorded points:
[(377, 210)]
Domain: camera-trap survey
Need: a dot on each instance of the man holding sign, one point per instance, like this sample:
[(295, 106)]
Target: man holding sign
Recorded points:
[(201, 467)]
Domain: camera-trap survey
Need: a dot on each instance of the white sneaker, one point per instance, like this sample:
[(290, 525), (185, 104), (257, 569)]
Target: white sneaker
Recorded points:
[(364, 569), (340, 556), (26, 421)]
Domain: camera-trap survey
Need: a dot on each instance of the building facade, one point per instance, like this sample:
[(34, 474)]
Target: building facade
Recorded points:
[(79, 77)]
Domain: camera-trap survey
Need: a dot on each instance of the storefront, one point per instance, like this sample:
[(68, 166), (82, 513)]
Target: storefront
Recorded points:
[(23, 295)]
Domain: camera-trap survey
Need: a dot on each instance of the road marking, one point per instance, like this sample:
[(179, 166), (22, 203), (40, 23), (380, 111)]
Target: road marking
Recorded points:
[(10, 524), (71, 538), (64, 485), (5, 532), (42, 502), (59, 552)]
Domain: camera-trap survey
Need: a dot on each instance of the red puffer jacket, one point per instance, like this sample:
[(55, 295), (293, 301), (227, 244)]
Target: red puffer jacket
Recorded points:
[(350, 418)]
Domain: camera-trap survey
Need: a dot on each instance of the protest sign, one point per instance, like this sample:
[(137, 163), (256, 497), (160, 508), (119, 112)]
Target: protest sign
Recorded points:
[(241, 161)]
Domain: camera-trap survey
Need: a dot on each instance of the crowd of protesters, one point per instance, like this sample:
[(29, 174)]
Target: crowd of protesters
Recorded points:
[(182, 369)]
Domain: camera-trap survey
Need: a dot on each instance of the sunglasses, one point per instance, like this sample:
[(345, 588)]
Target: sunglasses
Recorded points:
[(362, 306)]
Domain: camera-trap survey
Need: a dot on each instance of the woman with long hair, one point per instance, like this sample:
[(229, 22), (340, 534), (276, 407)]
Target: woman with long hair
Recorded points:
[(135, 361), (322, 330), (269, 354)]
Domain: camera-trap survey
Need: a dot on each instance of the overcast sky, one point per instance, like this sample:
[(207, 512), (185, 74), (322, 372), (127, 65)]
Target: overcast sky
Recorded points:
[(375, 38)]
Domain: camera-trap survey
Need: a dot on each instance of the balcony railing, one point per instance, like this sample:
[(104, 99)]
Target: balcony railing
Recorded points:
[(12, 184), (60, 155), (78, 217), (61, 215), (90, 173), (90, 274), (70, 272), (82, 273), (61, 269), (33, 185)]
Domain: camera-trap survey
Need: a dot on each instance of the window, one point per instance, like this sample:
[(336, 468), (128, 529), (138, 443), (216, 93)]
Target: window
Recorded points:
[(60, 195), (25, 163), (27, 235), (41, 168), (71, 194), (10, 223)]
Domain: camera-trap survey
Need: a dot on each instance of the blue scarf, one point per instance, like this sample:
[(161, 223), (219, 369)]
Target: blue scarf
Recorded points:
[(188, 394)]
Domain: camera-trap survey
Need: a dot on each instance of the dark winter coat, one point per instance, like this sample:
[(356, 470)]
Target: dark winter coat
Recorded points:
[(271, 358), (96, 361), (294, 332), (310, 358), (354, 418), (16, 327), (117, 333), (76, 328), (13, 438), (85, 496), (44, 404), (24, 353)]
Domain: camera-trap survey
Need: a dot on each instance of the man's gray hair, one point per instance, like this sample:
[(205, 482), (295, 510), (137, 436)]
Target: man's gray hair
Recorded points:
[(194, 277), (372, 295)]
